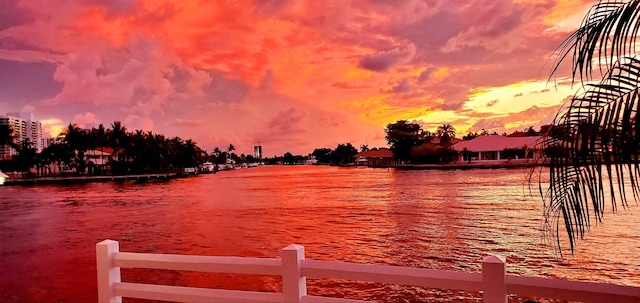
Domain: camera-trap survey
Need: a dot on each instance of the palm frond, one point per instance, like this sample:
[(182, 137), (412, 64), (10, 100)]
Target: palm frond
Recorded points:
[(593, 150), (608, 32)]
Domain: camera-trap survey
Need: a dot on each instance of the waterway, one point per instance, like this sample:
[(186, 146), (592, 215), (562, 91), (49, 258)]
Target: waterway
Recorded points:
[(430, 219)]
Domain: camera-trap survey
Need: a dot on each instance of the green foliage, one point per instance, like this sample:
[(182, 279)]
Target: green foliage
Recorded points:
[(322, 155), (402, 136), (445, 132), (26, 157), (288, 159), (432, 153), (136, 152), (343, 154)]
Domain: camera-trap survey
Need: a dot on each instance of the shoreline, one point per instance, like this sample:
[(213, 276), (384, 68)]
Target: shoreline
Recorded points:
[(90, 179), (175, 175), (473, 165)]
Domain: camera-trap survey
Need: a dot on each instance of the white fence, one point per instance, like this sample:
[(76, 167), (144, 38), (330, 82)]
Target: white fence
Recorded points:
[(493, 281)]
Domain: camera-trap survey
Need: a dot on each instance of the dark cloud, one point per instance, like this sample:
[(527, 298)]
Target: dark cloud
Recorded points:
[(492, 102), (349, 85), (402, 87), (117, 7), (518, 95), (268, 80), (426, 74), (384, 60), (287, 121), (11, 14), (489, 125), (452, 105), (225, 90), (271, 7), (27, 81)]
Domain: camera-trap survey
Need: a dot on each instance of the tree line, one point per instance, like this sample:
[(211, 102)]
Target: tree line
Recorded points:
[(132, 152), (79, 151)]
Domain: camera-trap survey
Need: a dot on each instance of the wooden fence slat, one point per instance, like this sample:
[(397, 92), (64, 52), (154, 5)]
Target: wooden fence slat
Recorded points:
[(192, 294), (235, 265), (444, 279)]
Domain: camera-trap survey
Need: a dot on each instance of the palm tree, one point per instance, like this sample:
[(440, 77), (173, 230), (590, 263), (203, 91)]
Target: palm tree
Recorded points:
[(230, 148), (117, 137), (26, 158), (445, 132), (6, 138), (215, 155), (364, 147), (596, 138), (77, 140)]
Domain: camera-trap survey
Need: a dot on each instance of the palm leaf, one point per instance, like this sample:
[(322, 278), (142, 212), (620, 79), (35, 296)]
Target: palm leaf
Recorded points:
[(593, 151), (608, 33)]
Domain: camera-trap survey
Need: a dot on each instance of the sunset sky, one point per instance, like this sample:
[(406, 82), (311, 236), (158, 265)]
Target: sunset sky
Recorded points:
[(291, 75)]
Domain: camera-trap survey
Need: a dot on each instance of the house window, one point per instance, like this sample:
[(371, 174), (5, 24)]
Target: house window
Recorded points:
[(492, 155)]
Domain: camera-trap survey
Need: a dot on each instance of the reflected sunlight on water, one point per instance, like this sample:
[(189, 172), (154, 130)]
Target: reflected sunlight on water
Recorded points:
[(433, 219)]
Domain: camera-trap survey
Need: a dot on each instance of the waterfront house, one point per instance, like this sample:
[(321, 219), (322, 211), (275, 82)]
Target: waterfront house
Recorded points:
[(98, 160), (375, 157), (496, 148)]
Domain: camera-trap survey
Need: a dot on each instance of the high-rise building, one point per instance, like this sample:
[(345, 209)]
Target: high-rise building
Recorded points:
[(24, 127), (257, 151)]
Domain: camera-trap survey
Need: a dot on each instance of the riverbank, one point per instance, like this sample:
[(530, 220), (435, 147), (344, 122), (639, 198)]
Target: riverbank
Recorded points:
[(87, 179), (519, 163)]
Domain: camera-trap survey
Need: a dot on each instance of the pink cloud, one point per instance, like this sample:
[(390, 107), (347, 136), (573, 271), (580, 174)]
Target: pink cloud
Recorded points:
[(85, 120), (223, 72)]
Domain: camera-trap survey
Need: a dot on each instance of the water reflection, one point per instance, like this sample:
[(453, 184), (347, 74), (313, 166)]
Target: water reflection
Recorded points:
[(433, 219)]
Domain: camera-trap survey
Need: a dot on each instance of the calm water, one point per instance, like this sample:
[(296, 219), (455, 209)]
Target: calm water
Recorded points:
[(433, 219)]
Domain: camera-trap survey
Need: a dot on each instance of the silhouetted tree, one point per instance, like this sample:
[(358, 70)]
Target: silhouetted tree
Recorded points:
[(344, 154), (470, 136), (288, 159), (402, 136), (6, 138), (26, 158), (322, 155), (445, 132)]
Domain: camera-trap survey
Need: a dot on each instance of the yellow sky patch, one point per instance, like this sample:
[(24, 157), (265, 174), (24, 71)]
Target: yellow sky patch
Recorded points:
[(516, 97), (441, 73)]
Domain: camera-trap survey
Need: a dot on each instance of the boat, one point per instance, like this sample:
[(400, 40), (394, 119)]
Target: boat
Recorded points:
[(208, 167), (362, 161), (3, 177)]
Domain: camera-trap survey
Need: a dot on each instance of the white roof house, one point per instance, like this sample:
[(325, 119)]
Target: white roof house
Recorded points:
[(491, 147)]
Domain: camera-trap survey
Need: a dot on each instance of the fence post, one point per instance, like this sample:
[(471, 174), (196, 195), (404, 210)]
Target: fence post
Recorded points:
[(294, 285), (108, 273), (494, 279)]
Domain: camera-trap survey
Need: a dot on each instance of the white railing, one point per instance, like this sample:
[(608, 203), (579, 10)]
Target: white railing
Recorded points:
[(493, 281)]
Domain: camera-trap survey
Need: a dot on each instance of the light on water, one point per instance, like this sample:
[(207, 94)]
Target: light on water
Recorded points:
[(431, 219)]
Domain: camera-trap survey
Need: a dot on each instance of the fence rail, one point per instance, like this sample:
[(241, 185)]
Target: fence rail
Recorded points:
[(493, 281)]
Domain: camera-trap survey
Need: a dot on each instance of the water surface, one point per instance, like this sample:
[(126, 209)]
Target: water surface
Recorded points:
[(431, 219)]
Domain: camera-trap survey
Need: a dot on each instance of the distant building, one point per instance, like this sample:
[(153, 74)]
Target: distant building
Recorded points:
[(24, 127), (257, 151), (492, 148), (376, 157), (46, 142)]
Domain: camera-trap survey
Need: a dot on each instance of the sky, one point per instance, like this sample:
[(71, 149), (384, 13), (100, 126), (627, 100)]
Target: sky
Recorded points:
[(290, 75)]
